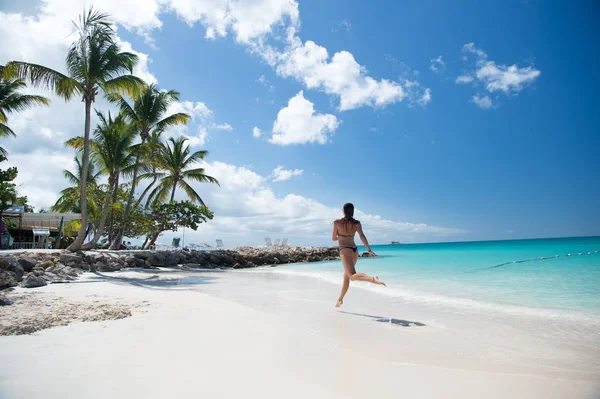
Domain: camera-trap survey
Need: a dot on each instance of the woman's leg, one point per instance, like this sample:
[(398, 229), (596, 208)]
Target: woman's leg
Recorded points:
[(354, 276), (345, 286), (349, 259)]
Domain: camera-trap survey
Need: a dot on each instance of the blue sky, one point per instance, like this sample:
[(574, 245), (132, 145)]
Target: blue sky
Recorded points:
[(521, 163)]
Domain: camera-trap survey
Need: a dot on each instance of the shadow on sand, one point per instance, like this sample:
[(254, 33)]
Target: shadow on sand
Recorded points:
[(151, 278), (388, 320)]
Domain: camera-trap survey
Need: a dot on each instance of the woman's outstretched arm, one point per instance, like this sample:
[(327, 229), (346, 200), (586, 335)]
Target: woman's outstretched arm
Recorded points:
[(363, 238)]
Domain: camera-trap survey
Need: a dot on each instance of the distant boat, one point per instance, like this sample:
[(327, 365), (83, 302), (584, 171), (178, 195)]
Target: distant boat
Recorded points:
[(396, 243)]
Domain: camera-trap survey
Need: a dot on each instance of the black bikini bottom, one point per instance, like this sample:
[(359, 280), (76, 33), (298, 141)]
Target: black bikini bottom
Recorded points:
[(352, 248)]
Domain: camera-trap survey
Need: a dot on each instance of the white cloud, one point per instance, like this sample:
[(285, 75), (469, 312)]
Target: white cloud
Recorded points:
[(40, 175), (266, 82), (425, 98), (438, 65), (341, 75), (299, 124), (281, 174), (506, 78), (245, 205), (464, 79), (256, 132), (202, 119), (345, 24), (495, 77), (246, 210), (252, 23), (223, 126), (470, 48), (484, 102)]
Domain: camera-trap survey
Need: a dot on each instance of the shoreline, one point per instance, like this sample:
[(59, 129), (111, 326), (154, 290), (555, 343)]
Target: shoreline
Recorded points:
[(270, 332)]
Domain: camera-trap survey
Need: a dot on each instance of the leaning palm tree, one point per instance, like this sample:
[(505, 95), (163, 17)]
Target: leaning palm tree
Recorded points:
[(69, 200), (94, 63), (111, 151), (148, 164), (12, 101), (148, 116), (174, 164)]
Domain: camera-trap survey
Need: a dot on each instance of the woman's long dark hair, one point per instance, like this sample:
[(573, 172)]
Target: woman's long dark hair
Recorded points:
[(349, 214)]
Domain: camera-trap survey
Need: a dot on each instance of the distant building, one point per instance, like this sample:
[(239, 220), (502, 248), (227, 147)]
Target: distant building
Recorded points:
[(23, 230)]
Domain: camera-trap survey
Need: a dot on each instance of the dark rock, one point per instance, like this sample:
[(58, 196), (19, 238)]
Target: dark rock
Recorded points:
[(156, 259), (365, 255), (104, 267), (7, 279), (38, 271), (143, 255), (237, 266), (70, 258), (27, 263), (5, 262), (4, 301), (172, 259), (276, 260), (17, 270), (33, 281), (44, 265)]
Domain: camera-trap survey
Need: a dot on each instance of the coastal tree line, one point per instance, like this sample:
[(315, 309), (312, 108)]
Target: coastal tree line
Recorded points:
[(123, 152)]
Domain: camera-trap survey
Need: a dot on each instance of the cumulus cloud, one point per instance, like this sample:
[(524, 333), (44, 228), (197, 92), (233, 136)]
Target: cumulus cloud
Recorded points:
[(298, 123), (256, 132), (245, 205), (247, 209), (281, 174), (464, 79), (339, 75), (497, 77), (438, 65), (202, 120), (483, 102)]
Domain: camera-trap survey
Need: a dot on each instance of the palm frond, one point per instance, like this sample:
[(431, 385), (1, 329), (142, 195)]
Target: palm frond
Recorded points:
[(5, 131), (172, 120), (44, 77), (191, 193), (124, 84)]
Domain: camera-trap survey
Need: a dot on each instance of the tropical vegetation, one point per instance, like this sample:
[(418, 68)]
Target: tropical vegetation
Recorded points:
[(127, 150)]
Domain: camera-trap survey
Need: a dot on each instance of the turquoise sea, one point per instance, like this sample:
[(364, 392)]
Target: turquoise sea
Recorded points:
[(558, 277)]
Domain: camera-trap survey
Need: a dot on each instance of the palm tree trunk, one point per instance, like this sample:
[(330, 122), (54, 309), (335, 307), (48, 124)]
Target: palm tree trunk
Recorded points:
[(146, 192), (76, 245), (153, 240), (91, 244), (173, 192), (112, 211), (145, 242), (119, 236)]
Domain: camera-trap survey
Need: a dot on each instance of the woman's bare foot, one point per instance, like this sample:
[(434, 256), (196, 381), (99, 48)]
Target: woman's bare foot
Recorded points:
[(377, 281), (339, 303)]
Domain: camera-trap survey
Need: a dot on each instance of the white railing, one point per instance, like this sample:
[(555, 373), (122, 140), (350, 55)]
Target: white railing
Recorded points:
[(23, 245)]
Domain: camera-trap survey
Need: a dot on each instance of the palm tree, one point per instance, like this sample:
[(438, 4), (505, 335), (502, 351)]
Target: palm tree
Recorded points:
[(69, 200), (173, 163), (12, 101), (111, 151), (149, 165), (94, 62), (147, 116)]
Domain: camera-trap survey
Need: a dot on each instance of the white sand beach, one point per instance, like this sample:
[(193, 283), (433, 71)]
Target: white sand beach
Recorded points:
[(265, 334)]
